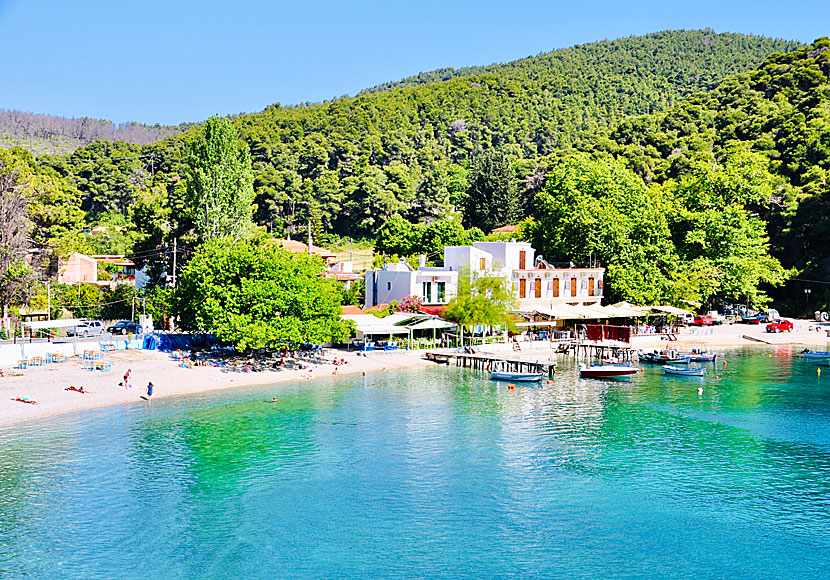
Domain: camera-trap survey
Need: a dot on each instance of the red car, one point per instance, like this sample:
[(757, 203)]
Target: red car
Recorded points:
[(780, 326), (703, 320)]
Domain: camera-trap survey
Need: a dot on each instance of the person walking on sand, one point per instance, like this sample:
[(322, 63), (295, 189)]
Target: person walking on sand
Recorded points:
[(149, 390)]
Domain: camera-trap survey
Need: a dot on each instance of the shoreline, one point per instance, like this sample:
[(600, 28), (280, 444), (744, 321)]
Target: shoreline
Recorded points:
[(46, 384)]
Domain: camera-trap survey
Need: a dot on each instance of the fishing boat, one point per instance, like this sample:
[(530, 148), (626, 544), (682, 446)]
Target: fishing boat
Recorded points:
[(816, 354), (671, 356), (683, 372), (499, 373), (606, 371), (702, 356)]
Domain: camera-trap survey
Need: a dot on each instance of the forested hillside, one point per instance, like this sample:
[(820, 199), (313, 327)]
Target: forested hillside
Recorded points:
[(49, 134), (355, 162), (779, 112), (697, 180)]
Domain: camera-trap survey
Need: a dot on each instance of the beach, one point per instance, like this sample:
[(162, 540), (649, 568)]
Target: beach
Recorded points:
[(47, 384)]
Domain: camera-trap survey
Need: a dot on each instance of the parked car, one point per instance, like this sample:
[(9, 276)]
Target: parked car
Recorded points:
[(124, 327), (780, 326), (687, 319), (86, 328), (703, 320)]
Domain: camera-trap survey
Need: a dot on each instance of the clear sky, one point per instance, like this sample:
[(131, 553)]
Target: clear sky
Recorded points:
[(172, 61)]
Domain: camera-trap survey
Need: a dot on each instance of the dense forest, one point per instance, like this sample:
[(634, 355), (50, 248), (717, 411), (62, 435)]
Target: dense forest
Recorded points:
[(643, 125)]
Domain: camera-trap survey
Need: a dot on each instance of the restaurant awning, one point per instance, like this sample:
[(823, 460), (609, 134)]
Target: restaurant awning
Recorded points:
[(62, 323), (436, 323), (671, 310)]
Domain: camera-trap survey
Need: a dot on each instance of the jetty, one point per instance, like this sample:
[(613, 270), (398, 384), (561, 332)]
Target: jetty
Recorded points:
[(483, 362)]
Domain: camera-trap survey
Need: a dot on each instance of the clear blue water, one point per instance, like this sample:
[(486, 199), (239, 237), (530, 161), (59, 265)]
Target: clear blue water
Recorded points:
[(434, 473)]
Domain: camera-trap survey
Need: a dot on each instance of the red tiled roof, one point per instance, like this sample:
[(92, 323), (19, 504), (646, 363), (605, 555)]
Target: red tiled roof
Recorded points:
[(433, 310), (352, 310), (508, 229)]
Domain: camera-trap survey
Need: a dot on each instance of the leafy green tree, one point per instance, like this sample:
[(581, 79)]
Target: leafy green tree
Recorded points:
[(481, 300), (492, 200), (81, 300), (254, 294), (220, 182)]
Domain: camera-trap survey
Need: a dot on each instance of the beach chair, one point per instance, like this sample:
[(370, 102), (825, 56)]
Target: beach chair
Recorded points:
[(22, 364), (107, 366), (87, 364)]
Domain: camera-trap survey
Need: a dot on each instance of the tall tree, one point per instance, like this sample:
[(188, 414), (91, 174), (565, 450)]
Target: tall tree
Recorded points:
[(481, 300), (16, 279), (492, 200), (220, 182)]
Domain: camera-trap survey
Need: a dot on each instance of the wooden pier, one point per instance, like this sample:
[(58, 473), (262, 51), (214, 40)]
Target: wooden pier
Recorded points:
[(483, 362), (590, 350)]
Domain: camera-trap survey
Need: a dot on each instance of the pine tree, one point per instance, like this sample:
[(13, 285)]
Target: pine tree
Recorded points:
[(492, 199)]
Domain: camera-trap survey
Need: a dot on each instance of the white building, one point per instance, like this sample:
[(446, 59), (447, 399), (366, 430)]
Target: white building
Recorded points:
[(535, 282)]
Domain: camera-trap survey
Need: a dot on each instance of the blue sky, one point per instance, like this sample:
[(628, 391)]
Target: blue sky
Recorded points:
[(183, 60)]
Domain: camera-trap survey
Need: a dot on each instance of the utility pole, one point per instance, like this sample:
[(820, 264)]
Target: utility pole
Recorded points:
[(175, 249), (48, 300), (309, 238)]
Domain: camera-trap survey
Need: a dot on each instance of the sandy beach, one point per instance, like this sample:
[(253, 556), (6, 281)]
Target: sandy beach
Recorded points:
[(47, 384)]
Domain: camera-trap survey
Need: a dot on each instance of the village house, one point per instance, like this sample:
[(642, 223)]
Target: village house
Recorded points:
[(536, 283), (80, 268)]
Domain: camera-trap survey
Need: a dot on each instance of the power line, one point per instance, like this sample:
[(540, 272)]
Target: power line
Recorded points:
[(811, 281)]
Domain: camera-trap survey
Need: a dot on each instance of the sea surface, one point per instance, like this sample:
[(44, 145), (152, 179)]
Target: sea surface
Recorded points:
[(435, 472)]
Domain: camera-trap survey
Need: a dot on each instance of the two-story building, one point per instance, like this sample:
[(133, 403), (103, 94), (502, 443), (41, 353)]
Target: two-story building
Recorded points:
[(536, 283)]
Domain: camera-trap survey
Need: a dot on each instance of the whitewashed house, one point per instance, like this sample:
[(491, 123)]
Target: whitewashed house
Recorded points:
[(535, 282)]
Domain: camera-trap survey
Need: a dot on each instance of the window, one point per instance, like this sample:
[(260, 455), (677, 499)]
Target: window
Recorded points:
[(482, 264), (522, 260), (441, 291), (573, 286), (389, 285), (590, 286), (555, 292), (427, 291), (522, 288), (538, 287)]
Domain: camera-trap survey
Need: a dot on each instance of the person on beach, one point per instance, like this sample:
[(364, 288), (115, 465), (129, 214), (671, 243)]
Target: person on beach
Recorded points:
[(149, 390), (127, 378)]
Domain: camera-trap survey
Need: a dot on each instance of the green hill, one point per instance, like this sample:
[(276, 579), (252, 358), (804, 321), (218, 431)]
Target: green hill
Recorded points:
[(780, 110), (354, 162)]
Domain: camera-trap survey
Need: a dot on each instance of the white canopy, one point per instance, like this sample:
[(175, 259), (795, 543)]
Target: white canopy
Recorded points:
[(671, 310), (432, 323), (63, 323)]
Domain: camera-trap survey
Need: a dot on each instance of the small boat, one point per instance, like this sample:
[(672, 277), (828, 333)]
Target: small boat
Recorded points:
[(500, 374), (671, 370), (616, 362), (754, 319), (606, 371), (816, 354), (671, 356), (702, 357)]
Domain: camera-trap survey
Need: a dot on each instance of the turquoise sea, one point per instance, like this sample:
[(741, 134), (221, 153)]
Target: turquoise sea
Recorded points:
[(434, 473)]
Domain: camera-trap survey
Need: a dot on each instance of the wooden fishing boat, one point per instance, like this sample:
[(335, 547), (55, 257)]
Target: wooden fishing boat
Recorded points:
[(606, 371), (683, 372)]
